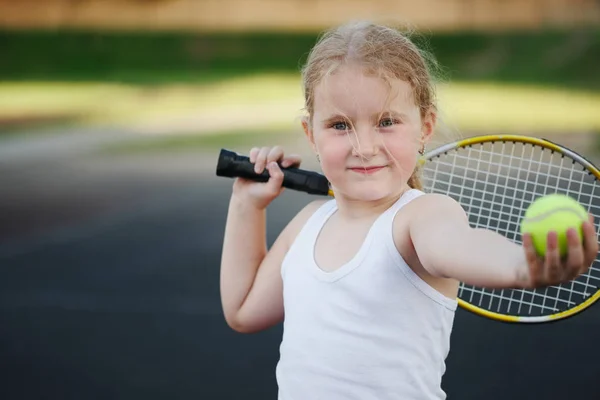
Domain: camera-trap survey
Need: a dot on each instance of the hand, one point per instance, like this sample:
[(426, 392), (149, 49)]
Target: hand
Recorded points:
[(552, 270), (261, 194)]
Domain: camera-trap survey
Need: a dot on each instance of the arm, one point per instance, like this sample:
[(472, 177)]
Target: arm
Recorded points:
[(251, 286), (449, 247)]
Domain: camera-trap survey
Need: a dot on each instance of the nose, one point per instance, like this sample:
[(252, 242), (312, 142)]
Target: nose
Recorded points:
[(365, 144)]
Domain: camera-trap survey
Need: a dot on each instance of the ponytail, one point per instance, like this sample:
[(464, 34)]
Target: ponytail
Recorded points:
[(414, 182)]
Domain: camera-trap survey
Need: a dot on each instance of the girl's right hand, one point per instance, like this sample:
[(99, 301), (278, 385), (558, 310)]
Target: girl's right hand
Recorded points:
[(261, 194)]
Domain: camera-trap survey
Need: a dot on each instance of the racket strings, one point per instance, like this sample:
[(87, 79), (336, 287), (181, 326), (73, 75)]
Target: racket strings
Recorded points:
[(490, 296), (447, 177), (496, 182)]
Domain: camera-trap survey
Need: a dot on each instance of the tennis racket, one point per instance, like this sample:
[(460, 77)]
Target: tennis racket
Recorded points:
[(495, 178)]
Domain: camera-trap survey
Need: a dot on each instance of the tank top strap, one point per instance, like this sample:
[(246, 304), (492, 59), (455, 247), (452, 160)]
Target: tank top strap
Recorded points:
[(315, 223), (304, 242), (406, 198), (386, 220), (383, 227)]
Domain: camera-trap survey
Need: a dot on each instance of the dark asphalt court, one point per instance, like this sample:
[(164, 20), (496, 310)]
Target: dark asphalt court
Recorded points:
[(109, 289)]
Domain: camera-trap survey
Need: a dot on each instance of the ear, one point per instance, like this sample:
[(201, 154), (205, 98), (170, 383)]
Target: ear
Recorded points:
[(309, 133), (428, 125)]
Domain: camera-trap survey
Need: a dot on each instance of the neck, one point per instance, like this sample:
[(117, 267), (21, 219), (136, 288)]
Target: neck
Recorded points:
[(361, 209)]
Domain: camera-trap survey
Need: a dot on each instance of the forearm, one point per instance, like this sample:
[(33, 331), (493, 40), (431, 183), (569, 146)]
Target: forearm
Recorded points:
[(483, 258), (244, 248)]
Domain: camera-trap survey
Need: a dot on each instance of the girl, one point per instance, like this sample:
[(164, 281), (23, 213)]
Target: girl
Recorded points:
[(368, 281)]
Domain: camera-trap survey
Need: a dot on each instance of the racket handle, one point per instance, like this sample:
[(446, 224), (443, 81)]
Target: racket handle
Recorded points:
[(233, 165)]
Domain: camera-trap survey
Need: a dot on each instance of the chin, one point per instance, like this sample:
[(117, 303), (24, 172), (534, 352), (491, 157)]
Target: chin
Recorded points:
[(366, 192), (373, 188), (371, 196)]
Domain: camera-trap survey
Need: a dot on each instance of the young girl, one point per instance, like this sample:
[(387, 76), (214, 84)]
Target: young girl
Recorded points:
[(368, 281)]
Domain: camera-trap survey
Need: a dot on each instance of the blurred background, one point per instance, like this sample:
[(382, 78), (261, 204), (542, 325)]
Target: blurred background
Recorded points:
[(112, 114)]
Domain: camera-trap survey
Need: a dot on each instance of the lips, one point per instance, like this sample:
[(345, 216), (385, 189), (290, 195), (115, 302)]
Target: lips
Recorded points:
[(367, 170)]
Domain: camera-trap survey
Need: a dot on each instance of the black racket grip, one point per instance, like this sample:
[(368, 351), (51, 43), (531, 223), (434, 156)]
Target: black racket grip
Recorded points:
[(233, 165)]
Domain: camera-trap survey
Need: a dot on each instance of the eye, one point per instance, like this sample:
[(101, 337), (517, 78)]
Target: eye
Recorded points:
[(340, 126), (387, 122)]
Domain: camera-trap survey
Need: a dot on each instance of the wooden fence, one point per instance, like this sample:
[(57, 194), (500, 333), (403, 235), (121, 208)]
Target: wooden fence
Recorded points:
[(214, 15)]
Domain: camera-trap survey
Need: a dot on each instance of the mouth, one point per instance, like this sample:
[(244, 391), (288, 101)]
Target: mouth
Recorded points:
[(367, 170)]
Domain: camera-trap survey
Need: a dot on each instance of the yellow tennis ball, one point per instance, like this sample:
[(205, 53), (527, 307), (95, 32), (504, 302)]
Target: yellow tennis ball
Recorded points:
[(554, 212)]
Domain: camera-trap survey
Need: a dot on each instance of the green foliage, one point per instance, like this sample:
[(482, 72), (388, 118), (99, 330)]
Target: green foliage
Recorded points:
[(565, 58)]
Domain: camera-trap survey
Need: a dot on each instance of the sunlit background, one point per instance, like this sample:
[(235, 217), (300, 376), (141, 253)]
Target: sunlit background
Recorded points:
[(112, 114)]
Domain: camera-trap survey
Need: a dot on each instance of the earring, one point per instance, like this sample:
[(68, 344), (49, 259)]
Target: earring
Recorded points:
[(422, 150), (318, 158)]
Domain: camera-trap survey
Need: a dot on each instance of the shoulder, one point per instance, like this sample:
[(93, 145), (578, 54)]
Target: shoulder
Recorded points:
[(434, 198), (426, 212), (434, 205)]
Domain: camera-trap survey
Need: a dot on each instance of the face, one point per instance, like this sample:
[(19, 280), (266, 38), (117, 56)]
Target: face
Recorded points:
[(367, 134)]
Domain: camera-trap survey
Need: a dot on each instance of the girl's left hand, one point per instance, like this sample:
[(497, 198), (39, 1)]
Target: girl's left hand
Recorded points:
[(552, 269)]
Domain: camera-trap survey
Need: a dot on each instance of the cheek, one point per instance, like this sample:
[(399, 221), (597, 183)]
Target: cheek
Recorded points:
[(333, 148), (333, 152), (405, 152)]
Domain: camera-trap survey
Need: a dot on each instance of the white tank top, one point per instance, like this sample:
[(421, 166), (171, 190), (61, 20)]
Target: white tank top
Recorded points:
[(372, 329)]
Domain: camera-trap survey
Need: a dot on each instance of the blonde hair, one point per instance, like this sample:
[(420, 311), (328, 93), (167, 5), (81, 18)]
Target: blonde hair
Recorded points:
[(380, 50)]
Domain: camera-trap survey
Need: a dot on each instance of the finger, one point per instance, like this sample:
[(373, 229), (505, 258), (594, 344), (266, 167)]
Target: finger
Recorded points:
[(253, 153), (261, 160), (275, 178), (575, 255), (275, 154), (291, 160), (533, 262), (552, 264), (590, 245)]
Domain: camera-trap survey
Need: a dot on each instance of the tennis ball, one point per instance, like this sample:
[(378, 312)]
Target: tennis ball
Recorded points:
[(554, 212)]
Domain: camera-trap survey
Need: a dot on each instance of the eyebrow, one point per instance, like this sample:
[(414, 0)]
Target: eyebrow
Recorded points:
[(392, 113), (334, 118), (386, 113)]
